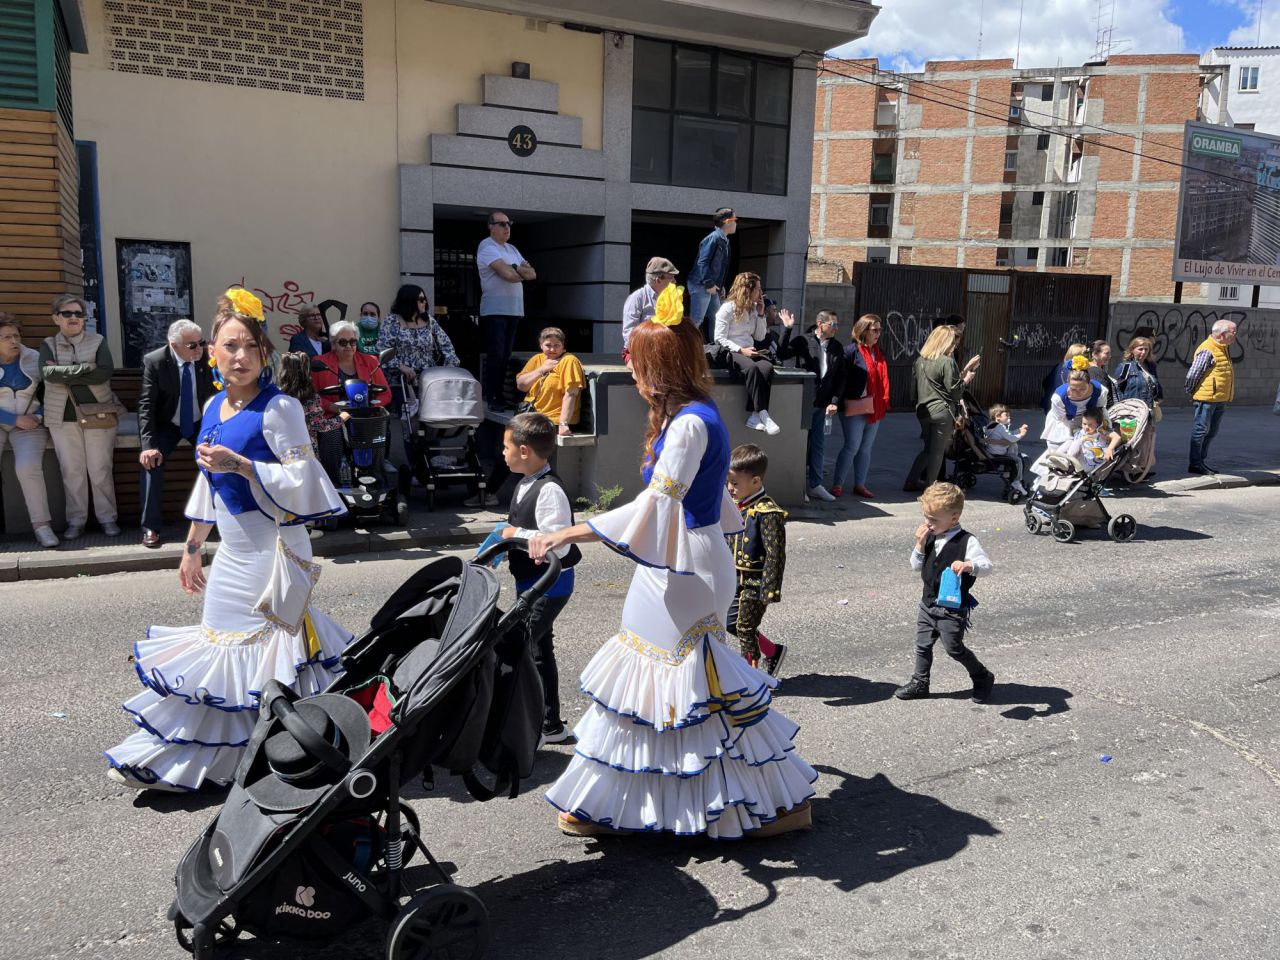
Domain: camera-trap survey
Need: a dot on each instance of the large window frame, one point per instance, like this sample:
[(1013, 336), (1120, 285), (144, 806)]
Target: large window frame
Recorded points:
[(645, 116)]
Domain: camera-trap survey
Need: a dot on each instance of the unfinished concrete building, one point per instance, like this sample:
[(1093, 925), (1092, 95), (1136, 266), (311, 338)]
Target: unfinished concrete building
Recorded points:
[(976, 164)]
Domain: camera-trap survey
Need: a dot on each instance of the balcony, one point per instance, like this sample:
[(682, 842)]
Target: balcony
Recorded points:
[(763, 26)]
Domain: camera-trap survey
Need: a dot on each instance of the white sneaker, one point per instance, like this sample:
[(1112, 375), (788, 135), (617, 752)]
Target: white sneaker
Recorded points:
[(769, 427), (126, 779), (820, 493), (754, 422), (111, 529), (1019, 488), (46, 537), (73, 531)]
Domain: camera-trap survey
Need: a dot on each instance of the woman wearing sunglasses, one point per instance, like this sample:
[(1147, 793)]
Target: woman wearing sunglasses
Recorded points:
[(345, 362), (76, 368)]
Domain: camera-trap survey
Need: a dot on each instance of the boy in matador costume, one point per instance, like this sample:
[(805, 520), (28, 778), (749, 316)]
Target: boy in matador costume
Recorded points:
[(759, 553)]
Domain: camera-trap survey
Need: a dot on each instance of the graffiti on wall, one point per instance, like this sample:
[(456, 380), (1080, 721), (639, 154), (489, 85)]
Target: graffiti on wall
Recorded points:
[(903, 334), (1178, 330), (1043, 336), (281, 309)]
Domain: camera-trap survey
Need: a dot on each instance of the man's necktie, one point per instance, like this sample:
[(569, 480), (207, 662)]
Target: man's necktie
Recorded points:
[(187, 404)]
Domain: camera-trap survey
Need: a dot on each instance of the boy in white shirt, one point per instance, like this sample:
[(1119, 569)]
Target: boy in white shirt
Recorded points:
[(1003, 442)]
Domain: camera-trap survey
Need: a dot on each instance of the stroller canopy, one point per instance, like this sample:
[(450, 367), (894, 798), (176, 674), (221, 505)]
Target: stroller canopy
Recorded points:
[(449, 396)]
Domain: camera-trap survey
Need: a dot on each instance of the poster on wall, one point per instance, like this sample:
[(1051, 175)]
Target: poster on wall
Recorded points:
[(155, 290)]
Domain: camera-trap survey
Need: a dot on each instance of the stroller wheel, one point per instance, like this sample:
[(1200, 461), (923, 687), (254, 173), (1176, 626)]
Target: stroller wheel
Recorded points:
[(1064, 531), (447, 922), (1122, 528), (184, 930), (965, 480), (402, 512), (1013, 496), (1034, 523)]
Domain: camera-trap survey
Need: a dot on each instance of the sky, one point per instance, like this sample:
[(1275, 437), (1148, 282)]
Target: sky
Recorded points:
[(906, 32)]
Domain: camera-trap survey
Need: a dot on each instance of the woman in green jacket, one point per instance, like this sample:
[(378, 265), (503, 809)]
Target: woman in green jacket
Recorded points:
[(940, 385)]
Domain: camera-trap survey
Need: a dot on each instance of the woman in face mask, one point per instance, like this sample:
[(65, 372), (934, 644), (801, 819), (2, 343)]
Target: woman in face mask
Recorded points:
[(370, 320)]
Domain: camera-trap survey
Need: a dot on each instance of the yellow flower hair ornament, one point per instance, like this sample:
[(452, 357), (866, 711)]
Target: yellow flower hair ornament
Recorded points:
[(246, 304), (668, 310), (1080, 363)]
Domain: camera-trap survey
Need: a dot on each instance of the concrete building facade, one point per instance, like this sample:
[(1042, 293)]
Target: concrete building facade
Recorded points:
[(976, 164), (324, 151), (1244, 95)]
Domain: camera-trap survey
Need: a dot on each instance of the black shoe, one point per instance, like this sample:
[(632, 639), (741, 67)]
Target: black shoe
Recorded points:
[(1197, 470), (982, 685), (773, 663), (912, 690)]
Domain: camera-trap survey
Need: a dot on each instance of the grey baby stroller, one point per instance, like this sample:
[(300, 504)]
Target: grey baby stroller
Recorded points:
[(1069, 498), (450, 410), (314, 836)]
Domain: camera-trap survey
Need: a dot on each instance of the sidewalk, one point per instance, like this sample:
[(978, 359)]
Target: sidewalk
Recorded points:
[(1246, 451)]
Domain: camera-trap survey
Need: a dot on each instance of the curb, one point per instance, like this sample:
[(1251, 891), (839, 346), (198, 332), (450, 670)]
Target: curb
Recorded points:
[(1220, 481), (132, 559)]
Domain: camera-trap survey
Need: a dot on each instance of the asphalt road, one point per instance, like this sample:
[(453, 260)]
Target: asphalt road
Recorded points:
[(942, 828)]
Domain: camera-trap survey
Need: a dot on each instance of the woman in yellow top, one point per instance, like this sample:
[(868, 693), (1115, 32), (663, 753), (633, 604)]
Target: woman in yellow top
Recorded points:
[(553, 380)]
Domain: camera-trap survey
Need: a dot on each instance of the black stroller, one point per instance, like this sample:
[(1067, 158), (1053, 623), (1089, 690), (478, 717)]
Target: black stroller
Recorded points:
[(313, 837), (971, 456)]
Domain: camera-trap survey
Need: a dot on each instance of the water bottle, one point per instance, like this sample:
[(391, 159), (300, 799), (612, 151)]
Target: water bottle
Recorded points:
[(344, 474), (826, 424)]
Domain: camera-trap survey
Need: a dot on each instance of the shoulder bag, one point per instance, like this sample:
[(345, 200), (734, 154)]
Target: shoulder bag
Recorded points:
[(98, 416)]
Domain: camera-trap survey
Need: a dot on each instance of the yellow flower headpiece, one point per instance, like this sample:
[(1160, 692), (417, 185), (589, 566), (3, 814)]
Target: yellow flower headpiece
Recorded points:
[(668, 310), (1080, 363), (246, 304)]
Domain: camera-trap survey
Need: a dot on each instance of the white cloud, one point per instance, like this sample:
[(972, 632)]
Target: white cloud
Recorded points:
[(906, 33), (1247, 35)]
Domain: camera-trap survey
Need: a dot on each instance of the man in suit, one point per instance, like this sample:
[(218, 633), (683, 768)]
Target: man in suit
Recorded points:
[(820, 353), (312, 339), (176, 383)]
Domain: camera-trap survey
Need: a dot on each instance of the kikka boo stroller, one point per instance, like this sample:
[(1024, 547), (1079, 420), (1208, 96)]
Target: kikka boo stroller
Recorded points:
[(314, 837), (1068, 497)]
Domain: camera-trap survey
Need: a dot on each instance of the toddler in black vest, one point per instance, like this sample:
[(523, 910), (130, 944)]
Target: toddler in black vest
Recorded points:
[(540, 505), (941, 543)]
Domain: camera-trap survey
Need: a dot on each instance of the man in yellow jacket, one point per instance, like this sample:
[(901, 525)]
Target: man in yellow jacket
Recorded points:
[(1211, 381)]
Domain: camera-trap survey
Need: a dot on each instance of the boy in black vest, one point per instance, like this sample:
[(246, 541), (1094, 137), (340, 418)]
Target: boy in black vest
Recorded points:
[(941, 543), (759, 553), (540, 505)]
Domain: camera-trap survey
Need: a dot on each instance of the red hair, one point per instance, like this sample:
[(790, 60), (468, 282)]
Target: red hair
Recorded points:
[(670, 367)]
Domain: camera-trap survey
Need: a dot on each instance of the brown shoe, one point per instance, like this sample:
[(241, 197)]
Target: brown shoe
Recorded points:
[(797, 818), (150, 538), (864, 493), (575, 827)]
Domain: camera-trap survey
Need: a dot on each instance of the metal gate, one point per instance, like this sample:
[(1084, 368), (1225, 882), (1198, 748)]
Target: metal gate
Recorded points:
[(986, 318)]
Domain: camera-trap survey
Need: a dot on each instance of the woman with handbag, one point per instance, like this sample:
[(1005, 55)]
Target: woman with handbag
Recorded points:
[(82, 415), (940, 385), (1136, 379), (866, 401), (260, 482)]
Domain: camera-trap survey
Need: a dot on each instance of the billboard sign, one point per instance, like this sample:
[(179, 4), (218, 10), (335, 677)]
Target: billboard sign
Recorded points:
[(1229, 207)]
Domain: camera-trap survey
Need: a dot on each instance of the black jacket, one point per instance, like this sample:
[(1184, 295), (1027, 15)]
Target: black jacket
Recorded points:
[(301, 343), (158, 399), (806, 349)]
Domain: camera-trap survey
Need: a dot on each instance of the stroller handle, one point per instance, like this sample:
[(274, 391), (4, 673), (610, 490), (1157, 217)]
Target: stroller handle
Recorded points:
[(520, 609)]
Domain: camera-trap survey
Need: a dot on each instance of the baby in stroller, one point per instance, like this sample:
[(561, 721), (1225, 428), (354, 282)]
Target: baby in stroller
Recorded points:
[(987, 445)]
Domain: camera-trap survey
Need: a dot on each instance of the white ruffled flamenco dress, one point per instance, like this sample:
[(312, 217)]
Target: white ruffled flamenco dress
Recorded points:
[(202, 682), (680, 735)]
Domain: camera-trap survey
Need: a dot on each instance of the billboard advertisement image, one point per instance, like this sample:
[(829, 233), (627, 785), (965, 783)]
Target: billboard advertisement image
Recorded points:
[(1229, 207)]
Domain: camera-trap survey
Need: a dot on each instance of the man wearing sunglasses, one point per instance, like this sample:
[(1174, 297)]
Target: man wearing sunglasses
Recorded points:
[(503, 273), (176, 383)]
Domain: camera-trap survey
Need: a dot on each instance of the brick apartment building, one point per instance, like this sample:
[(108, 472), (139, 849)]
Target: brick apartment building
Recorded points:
[(976, 164)]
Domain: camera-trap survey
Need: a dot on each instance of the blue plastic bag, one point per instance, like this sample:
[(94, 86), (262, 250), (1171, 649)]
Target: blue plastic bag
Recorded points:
[(949, 590), (489, 541)]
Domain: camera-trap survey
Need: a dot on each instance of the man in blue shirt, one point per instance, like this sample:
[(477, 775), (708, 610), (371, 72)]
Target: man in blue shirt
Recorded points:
[(708, 280)]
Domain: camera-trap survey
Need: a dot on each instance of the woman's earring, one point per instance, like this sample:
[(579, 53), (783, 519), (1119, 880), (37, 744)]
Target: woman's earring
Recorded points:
[(264, 378), (217, 374)]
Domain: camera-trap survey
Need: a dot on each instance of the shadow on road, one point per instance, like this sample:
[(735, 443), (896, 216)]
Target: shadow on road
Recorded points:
[(634, 897), (1160, 534), (1021, 697), (836, 690)]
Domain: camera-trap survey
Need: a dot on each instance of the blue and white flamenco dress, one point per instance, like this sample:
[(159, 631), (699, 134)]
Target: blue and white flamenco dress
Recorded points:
[(680, 735), (201, 683)]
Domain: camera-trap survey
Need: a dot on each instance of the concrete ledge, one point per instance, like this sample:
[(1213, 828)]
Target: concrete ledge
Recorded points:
[(521, 94), (492, 121), (8, 569), (482, 154), (1220, 481)]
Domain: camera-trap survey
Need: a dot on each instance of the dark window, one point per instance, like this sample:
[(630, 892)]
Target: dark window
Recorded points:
[(882, 168), (1002, 256), (1046, 91), (1042, 142), (880, 214), (1037, 198), (1006, 213), (709, 118), (1033, 253)]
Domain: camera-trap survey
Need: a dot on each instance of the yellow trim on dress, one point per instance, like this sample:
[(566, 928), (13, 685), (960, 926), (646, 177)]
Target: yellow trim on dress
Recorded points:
[(295, 454), (707, 626), (671, 487)]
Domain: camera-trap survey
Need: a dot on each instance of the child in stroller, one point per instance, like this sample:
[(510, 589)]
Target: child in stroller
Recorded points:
[(1068, 495), (977, 449)]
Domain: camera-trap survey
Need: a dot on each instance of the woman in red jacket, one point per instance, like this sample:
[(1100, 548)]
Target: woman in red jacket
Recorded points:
[(346, 362), (866, 401)]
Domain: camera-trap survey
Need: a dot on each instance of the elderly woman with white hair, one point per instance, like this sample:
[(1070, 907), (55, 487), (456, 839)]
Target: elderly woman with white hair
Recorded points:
[(176, 384), (344, 362), (21, 425)]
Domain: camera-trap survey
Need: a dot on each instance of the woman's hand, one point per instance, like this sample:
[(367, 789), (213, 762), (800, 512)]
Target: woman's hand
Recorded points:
[(831, 409), (749, 351), (191, 570), (548, 366), (409, 372), (27, 422), (544, 543), (219, 459), (967, 375), (564, 430), (787, 317)]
